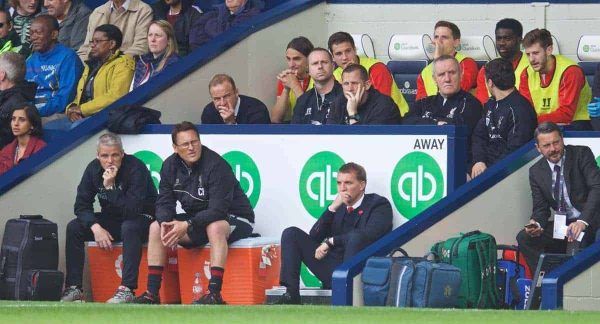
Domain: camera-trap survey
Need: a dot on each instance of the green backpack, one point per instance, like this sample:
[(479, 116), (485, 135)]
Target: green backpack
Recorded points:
[(475, 254)]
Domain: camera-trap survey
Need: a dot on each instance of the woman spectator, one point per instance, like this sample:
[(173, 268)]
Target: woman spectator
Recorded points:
[(106, 75), (25, 11), (26, 125), (183, 16), (163, 52)]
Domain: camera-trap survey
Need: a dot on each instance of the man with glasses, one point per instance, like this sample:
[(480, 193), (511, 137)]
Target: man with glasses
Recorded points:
[(216, 211), (229, 107), (314, 105), (126, 193)]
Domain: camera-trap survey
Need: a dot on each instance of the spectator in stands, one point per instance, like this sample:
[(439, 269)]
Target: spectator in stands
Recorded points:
[(341, 45), (163, 52), (106, 76), (554, 84), (27, 129), (231, 108), (509, 119), (216, 211), (14, 91), (452, 104), (446, 40), (225, 16), (127, 195), (23, 15), (594, 105), (509, 34), (361, 103), (183, 16), (352, 222), (567, 180), (293, 81), (314, 106), (9, 40), (53, 67), (72, 16), (132, 17)]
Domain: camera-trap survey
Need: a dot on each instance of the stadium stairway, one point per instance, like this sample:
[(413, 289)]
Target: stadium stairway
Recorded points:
[(497, 202)]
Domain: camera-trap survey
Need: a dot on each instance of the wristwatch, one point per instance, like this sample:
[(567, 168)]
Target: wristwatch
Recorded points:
[(190, 225), (329, 244), (356, 117)]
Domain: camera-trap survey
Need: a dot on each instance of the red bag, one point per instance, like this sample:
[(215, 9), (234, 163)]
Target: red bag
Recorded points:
[(512, 256)]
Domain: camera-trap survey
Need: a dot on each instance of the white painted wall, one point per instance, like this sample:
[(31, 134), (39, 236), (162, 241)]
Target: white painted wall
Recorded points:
[(583, 291), (566, 21)]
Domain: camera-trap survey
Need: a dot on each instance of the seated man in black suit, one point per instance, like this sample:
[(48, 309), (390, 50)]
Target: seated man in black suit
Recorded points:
[(352, 222), (231, 108), (361, 103), (566, 180)]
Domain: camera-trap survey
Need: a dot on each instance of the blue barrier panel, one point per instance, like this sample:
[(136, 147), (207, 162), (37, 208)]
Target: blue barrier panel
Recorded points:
[(554, 281)]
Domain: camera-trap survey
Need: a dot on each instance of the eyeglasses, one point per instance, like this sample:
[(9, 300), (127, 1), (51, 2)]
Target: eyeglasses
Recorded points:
[(96, 41), (189, 144)]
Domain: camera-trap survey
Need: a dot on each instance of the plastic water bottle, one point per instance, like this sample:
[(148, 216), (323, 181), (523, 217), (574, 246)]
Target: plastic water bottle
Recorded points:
[(197, 287)]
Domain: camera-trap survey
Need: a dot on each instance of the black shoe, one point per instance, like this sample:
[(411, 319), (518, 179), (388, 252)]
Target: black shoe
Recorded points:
[(146, 298), (211, 298), (289, 299)]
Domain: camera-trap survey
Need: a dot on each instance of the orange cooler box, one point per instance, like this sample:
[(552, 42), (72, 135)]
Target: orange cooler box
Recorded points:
[(252, 267), (105, 274)]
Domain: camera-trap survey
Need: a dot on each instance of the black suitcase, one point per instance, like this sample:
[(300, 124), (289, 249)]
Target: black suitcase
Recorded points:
[(29, 243)]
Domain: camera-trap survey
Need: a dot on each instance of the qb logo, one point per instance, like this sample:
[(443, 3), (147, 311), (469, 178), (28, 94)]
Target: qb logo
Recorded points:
[(318, 182), (417, 183), (153, 162), (246, 172)]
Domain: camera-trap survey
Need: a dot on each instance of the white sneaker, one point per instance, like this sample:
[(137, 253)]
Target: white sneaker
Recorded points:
[(72, 294), (122, 296)]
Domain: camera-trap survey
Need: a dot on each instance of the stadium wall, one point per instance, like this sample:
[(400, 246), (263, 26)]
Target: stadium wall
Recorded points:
[(583, 291), (566, 21), (253, 63)]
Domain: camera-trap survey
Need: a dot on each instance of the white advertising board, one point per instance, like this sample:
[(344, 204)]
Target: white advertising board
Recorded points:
[(291, 179)]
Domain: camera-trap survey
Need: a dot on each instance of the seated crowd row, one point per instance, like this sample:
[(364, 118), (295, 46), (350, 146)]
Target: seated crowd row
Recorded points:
[(335, 86), (39, 62)]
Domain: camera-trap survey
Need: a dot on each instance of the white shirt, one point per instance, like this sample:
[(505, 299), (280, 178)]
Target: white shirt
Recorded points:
[(358, 202), (124, 6), (572, 212)]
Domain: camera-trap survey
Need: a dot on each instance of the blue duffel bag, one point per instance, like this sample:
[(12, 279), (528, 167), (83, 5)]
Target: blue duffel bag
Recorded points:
[(376, 277), (410, 282)]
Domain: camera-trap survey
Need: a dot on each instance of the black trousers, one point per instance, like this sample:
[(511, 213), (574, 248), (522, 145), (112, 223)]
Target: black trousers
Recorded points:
[(532, 247), (297, 247), (132, 232)]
